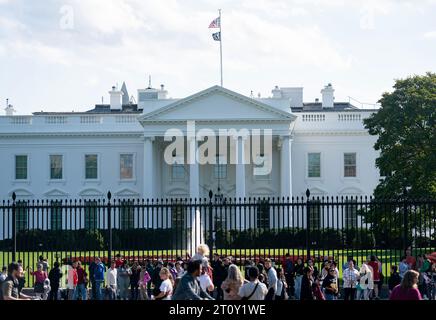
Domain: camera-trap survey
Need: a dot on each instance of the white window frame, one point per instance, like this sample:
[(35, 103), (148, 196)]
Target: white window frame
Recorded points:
[(343, 165), (14, 175), (180, 162), (321, 157), (219, 159), (133, 154), (49, 167), (98, 166)]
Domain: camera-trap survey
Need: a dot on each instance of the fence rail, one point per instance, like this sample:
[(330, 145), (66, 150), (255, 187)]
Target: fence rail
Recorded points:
[(251, 228)]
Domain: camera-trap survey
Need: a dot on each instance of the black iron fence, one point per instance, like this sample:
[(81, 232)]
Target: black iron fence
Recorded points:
[(251, 228)]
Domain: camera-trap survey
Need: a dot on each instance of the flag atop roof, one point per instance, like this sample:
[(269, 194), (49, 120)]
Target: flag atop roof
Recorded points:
[(216, 23)]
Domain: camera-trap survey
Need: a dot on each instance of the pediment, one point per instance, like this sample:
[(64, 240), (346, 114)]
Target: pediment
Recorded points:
[(126, 192), (21, 193), (91, 192), (217, 104), (352, 191), (316, 192), (56, 193)]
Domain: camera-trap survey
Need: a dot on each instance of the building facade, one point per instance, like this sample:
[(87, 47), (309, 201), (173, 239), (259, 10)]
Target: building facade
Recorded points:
[(120, 147)]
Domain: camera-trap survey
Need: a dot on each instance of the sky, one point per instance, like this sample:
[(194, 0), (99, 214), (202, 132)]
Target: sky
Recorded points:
[(66, 55)]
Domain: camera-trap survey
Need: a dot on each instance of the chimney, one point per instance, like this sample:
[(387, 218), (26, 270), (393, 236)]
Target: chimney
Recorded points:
[(276, 93), (162, 93), (328, 98), (115, 98), (10, 110)]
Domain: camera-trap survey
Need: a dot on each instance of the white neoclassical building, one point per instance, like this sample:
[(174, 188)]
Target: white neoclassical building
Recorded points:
[(120, 147)]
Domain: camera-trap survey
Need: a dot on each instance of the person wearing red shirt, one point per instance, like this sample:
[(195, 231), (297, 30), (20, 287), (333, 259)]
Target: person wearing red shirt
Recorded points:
[(408, 289), (374, 263), (410, 260), (82, 282), (118, 261)]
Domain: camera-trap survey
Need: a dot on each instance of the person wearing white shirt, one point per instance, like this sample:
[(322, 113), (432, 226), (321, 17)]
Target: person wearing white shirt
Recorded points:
[(253, 290), (366, 282), (166, 287), (350, 277), (111, 281), (205, 281), (272, 280)]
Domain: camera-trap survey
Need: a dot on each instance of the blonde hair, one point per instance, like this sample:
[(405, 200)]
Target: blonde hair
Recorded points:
[(410, 279), (167, 272), (234, 274), (203, 249)]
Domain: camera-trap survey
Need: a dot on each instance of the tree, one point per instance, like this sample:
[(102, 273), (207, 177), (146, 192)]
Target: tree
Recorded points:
[(406, 129)]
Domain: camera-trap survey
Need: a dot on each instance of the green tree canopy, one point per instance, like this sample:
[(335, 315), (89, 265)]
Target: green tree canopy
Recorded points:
[(406, 130)]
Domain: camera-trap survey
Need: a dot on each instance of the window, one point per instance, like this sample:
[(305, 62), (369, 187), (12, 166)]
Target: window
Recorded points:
[(314, 165), (91, 215), (178, 212), (126, 215), (21, 214), (56, 215), (350, 210), (314, 215), (91, 169), (21, 167), (350, 165), (263, 214), (55, 167), (262, 167), (220, 168), (177, 168), (126, 166)]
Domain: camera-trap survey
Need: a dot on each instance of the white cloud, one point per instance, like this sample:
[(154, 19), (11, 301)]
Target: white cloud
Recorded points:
[(430, 35)]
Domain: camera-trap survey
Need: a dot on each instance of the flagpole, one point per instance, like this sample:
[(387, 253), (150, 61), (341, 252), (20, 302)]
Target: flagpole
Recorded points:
[(221, 48)]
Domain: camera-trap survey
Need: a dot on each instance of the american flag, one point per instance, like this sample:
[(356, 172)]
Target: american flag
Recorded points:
[(215, 23), (216, 36)]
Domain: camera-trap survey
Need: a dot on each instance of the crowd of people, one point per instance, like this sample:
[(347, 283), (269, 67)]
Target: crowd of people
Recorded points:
[(198, 278)]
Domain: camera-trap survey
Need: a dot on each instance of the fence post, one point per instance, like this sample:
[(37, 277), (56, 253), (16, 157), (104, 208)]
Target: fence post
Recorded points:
[(211, 235), (307, 225), (14, 228), (109, 214), (405, 220)]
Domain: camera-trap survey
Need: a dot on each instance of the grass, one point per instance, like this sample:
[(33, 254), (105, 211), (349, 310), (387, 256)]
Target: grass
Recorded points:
[(387, 257)]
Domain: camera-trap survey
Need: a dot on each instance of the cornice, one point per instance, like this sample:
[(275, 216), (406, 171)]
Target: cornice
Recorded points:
[(72, 134)]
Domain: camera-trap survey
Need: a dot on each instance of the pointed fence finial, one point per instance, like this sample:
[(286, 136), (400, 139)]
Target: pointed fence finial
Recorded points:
[(308, 193)]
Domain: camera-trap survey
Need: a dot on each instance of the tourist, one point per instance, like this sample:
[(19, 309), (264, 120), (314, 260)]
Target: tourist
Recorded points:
[(144, 279), (123, 280), (366, 282), (205, 281), (71, 280), (254, 289), (394, 279), (99, 271), (118, 260), (4, 274), (232, 283), (91, 269), (330, 285), (299, 272), (333, 266), (316, 288), (325, 269), (427, 277), (375, 264), (272, 279), (310, 264), (22, 278), (202, 254), (134, 281), (40, 277), (111, 281), (403, 267), (218, 275), (408, 289), (82, 283), (189, 287), (166, 286), (155, 277), (173, 270), (350, 277), (44, 263), (150, 269), (288, 268), (179, 269), (55, 276), (410, 260), (9, 289), (306, 284), (282, 287)]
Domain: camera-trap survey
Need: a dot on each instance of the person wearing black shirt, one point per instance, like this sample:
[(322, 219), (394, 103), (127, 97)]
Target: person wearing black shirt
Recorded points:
[(54, 276), (306, 285), (218, 275)]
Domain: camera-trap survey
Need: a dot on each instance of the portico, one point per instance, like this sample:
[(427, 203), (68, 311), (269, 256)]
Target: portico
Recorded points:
[(252, 154)]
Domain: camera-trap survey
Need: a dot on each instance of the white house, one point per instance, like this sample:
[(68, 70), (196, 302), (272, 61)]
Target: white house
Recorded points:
[(321, 146)]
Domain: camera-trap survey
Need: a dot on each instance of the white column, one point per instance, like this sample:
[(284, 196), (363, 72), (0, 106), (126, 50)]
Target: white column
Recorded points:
[(240, 168), (286, 166), (149, 183), (194, 173)]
